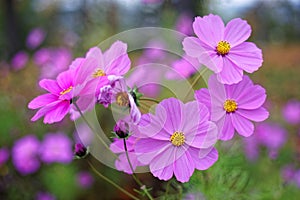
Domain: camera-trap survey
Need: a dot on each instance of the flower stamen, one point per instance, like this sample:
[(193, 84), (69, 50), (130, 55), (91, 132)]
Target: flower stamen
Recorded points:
[(98, 73), (122, 99), (230, 106), (65, 91), (177, 138), (223, 47)]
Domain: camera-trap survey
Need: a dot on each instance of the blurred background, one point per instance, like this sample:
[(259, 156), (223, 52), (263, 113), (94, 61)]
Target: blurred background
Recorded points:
[(40, 38)]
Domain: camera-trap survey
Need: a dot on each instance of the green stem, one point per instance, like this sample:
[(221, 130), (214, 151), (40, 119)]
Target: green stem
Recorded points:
[(195, 82), (111, 182), (142, 186), (149, 99), (92, 128)]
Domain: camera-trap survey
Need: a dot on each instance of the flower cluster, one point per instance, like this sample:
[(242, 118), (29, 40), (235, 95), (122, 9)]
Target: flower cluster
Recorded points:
[(179, 136)]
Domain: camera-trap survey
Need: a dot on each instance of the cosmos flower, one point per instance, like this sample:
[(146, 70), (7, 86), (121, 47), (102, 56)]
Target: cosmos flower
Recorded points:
[(270, 135), (124, 128), (56, 147), (223, 49), (35, 38), (25, 155), (85, 179), (117, 92), (44, 196), (291, 112), (52, 61), (184, 24), (4, 155), (233, 107), (178, 139), (184, 68), (19, 60)]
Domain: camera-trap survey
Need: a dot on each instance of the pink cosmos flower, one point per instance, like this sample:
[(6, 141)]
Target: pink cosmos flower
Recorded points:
[(44, 196), (52, 61), (184, 24), (25, 155), (35, 38), (176, 140), (184, 68), (223, 49), (233, 107), (56, 104), (270, 135), (56, 147), (291, 112), (4, 155), (19, 60), (85, 179), (69, 85), (117, 92)]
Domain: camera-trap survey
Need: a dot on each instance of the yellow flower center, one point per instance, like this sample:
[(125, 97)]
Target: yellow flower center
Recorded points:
[(177, 138), (98, 73), (122, 99), (223, 47), (230, 105), (65, 91)]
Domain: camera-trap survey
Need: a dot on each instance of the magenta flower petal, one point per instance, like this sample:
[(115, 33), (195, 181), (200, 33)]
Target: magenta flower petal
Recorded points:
[(57, 114), (232, 74), (97, 55), (51, 86), (122, 163), (193, 47), (243, 126), (150, 126), (146, 148), (165, 158), (42, 100), (116, 59), (44, 110), (203, 96), (65, 80), (226, 128), (209, 29), (252, 97), (247, 56), (236, 90), (184, 162), (237, 31), (258, 115), (164, 173), (207, 161), (172, 122), (206, 136)]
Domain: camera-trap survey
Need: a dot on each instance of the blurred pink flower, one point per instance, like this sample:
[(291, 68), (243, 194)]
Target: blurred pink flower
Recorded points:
[(85, 179), (19, 60), (184, 24), (184, 68), (4, 155), (233, 107), (152, 1), (52, 61), (25, 155), (270, 135), (35, 38), (223, 49), (291, 112), (56, 147), (44, 196), (178, 139)]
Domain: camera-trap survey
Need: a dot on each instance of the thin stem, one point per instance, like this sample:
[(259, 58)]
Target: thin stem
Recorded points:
[(92, 128), (142, 186), (111, 182), (195, 82), (149, 99)]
